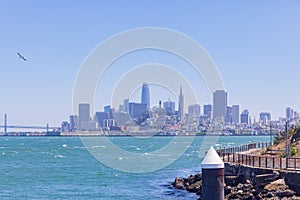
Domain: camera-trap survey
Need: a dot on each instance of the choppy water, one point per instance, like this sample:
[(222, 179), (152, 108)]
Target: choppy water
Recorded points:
[(62, 168)]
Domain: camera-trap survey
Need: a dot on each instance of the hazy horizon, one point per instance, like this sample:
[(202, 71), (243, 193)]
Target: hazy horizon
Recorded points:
[(255, 46)]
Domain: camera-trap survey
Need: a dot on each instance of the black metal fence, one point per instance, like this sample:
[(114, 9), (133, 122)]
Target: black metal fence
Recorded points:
[(240, 155)]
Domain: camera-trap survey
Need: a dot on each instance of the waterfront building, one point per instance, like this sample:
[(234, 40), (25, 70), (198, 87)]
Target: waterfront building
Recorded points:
[(84, 116), (145, 96), (65, 126), (245, 117), (235, 114), (194, 111), (219, 105), (108, 123), (180, 105), (169, 106), (73, 120), (137, 109)]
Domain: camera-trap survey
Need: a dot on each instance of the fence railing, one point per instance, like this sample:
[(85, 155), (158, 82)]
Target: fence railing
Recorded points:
[(235, 155)]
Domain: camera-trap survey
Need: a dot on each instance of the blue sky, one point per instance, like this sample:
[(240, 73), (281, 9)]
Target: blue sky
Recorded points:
[(255, 45)]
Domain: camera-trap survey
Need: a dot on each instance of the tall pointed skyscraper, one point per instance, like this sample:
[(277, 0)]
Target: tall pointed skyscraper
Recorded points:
[(180, 105), (145, 97)]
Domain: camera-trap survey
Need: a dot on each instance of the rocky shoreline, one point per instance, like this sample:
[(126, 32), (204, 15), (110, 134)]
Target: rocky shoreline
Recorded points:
[(240, 184)]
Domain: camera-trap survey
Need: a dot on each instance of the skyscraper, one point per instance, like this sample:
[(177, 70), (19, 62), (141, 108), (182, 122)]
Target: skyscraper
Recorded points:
[(137, 110), (84, 116), (228, 115), (207, 110), (169, 106), (180, 104), (101, 117), (264, 117), (219, 105), (289, 113), (125, 105), (194, 111), (245, 117), (235, 114), (145, 97), (73, 122)]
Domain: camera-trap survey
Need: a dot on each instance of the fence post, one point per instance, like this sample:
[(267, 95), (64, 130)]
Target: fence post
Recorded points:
[(259, 161), (266, 160), (280, 162)]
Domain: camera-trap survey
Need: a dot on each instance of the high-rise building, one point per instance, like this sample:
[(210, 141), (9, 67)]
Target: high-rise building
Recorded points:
[(207, 110), (228, 118), (169, 106), (108, 109), (145, 96), (194, 111), (101, 117), (73, 122), (137, 109), (180, 105), (289, 113), (84, 116), (125, 105), (245, 117), (265, 117), (219, 105), (235, 114)]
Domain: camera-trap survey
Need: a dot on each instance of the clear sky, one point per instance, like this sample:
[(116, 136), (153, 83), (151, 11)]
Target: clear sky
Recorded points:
[(255, 45)]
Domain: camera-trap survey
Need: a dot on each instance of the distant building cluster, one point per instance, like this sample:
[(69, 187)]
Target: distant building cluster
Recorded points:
[(139, 116)]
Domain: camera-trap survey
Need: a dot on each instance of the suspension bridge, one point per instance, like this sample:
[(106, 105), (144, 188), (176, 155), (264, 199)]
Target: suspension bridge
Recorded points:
[(6, 127)]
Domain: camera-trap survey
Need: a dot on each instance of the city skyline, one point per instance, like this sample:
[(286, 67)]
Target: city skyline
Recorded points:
[(255, 46)]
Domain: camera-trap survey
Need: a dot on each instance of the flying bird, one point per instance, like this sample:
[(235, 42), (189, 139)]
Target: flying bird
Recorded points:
[(20, 56)]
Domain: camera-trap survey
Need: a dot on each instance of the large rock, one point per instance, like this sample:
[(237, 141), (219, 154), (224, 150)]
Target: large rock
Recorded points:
[(292, 179)]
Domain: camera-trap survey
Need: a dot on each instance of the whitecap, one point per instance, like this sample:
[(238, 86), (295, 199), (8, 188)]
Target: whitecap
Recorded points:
[(59, 156), (64, 145), (100, 146), (138, 149), (3, 153), (120, 158)]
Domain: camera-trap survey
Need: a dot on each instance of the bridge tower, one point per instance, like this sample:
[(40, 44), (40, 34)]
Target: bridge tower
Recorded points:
[(47, 127), (5, 123)]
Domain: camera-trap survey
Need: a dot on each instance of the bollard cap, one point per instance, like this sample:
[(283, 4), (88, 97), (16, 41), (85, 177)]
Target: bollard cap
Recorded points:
[(212, 160)]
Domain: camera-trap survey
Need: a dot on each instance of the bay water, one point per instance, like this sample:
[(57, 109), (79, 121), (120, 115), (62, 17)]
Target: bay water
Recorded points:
[(63, 168)]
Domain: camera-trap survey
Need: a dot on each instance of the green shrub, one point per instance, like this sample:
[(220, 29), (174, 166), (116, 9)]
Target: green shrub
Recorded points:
[(293, 151)]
